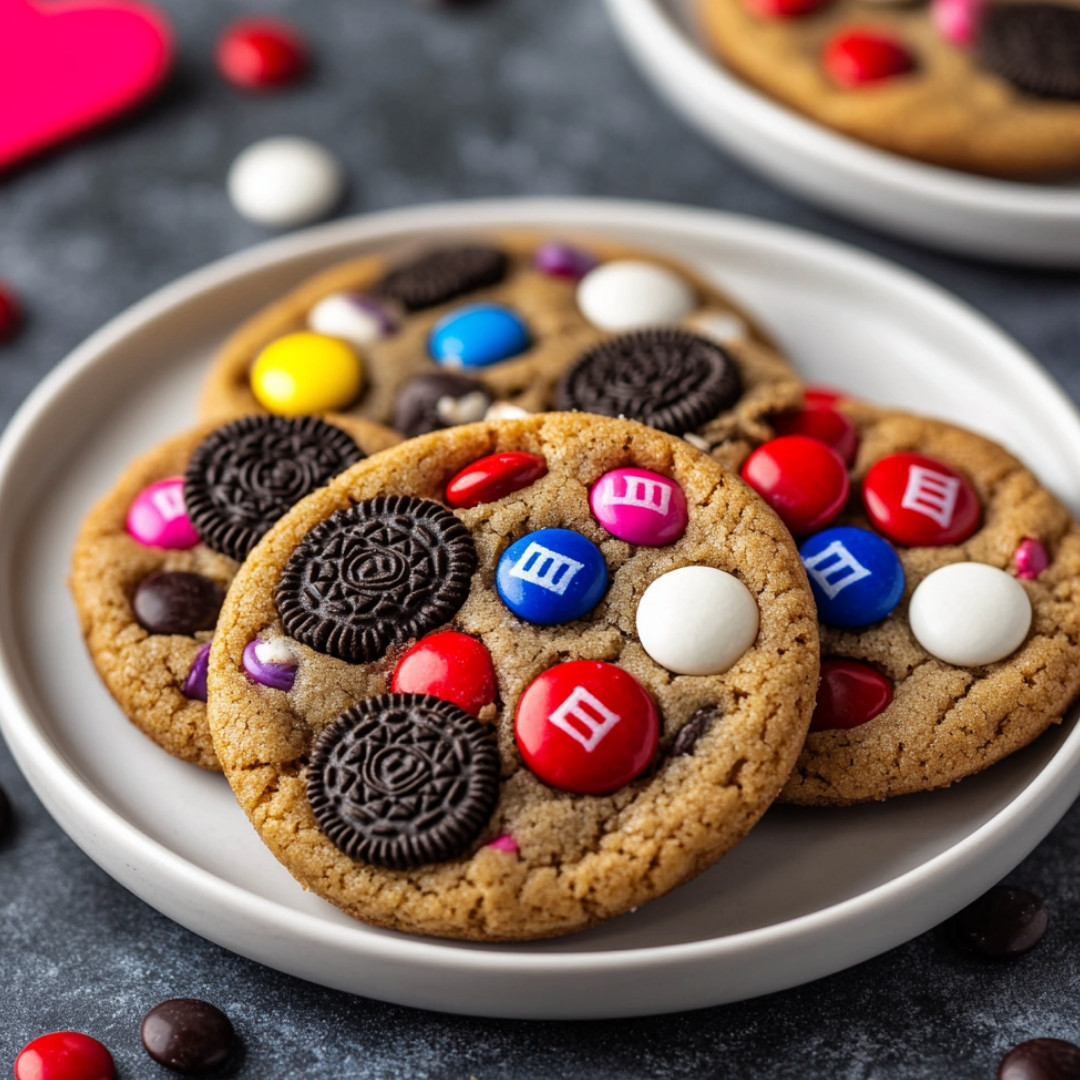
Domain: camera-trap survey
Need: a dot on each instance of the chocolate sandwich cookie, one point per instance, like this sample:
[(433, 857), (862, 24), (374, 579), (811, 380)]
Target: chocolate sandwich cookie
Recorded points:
[(989, 86), (155, 556), (485, 328), (511, 679), (947, 581)]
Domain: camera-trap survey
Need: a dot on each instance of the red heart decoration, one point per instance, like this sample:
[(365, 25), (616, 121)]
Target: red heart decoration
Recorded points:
[(68, 65)]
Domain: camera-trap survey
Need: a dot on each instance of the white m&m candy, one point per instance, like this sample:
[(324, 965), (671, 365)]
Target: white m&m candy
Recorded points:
[(697, 620), (970, 614), (627, 294), (353, 317)]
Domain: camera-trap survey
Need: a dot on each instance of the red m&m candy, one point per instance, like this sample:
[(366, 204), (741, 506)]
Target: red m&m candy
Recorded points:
[(259, 54), (494, 477), (451, 666), (920, 502), (64, 1055), (586, 727), (784, 9), (819, 422), (849, 694), (801, 478), (856, 57), (818, 396)]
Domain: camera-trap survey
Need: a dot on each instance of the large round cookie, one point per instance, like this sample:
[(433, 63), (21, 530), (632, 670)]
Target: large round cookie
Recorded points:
[(952, 108), (397, 301), (967, 505), (150, 674), (613, 808)]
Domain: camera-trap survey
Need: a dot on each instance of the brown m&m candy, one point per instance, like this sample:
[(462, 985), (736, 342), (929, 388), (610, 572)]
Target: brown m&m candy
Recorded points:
[(177, 602), (188, 1035)]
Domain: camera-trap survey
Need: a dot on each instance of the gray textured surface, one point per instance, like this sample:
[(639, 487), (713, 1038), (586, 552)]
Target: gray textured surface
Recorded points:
[(507, 97)]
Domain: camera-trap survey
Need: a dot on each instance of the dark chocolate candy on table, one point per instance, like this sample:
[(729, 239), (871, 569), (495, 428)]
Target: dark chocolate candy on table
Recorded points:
[(177, 602), (1034, 46), (440, 276), (402, 780), (667, 378), (188, 1036), (1002, 923), (247, 474), (1041, 1059), (377, 574), (438, 399)]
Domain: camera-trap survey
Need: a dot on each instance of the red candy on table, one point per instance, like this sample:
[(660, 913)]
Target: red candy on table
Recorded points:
[(261, 54), (451, 666), (820, 422), (494, 477), (856, 57), (919, 502), (849, 694), (64, 1055), (10, 313), (587, 727), (801, 478)]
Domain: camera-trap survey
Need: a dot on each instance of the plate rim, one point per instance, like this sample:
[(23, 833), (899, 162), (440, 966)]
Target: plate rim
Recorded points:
[(66, 789)]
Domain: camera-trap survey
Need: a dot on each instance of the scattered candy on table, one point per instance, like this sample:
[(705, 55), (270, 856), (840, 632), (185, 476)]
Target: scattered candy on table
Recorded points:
[(586, 726), (551, 576), (478, 335), (918, 501), (451, 666), (639, 506), (1003, 923), (177, 602), (261, 54), (286, 181), (850, 693), (1041, 1059), (353, 317), (158, 517), (970, 614), (270, 663), (855, 58), (494, 477), (305, 373), (628, 294), (189, 1036), (856, 576), (802, 479), (697, 620), (64, 1055), (10, 313)]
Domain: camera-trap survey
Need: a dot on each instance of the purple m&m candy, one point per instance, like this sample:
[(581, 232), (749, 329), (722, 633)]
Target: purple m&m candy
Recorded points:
[(158, 518), (270, 663), (195, 684), (564, 260), (639, 506)]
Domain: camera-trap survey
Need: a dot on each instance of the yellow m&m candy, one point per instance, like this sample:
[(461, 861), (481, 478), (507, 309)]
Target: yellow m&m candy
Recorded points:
[(306, 373)]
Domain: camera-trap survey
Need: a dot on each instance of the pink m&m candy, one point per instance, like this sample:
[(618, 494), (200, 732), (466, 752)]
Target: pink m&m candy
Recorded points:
[(639, 506), (1030, 559), (958, 20), (451, 666), (586, 726), (920, 502), (158, 518)]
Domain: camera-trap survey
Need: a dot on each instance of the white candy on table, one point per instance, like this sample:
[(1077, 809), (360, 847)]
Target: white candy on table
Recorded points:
[(628, 294), (697, 620), (969, 614)]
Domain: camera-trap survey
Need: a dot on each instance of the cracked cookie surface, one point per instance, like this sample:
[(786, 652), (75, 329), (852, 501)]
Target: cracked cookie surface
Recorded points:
[(947, 721), (546, 861)]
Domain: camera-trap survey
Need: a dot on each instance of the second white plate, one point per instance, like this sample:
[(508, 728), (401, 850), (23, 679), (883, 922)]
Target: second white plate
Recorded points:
[(1034, 224), (806, 894)]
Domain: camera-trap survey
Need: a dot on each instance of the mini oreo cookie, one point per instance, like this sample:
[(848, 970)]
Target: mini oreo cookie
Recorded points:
[(1035, 46), (375, 575), (439, 399), (247, 474), (443, 275), (667, 378), (401, 780)]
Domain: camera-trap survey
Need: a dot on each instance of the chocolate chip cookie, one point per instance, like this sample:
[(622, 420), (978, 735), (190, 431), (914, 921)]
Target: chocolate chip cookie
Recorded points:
[(511, 679), (155, 556), (989, 86), (487, 328)]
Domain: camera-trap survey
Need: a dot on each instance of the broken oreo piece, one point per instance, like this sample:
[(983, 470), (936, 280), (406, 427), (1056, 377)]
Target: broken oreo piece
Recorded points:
[(402, 780), (1034, 46), (439, 399), (378, 574), (667, 378)]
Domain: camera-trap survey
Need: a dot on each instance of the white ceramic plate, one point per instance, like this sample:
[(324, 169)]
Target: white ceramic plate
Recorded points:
[(808, 893), (1035, 224)]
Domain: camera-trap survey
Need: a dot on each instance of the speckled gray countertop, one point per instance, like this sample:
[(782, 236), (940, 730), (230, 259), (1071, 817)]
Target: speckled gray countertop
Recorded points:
[(508, 97)]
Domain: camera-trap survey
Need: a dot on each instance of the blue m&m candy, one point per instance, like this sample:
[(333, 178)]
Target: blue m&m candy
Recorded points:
[(855, 575), (477, 335), (551, 576)]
